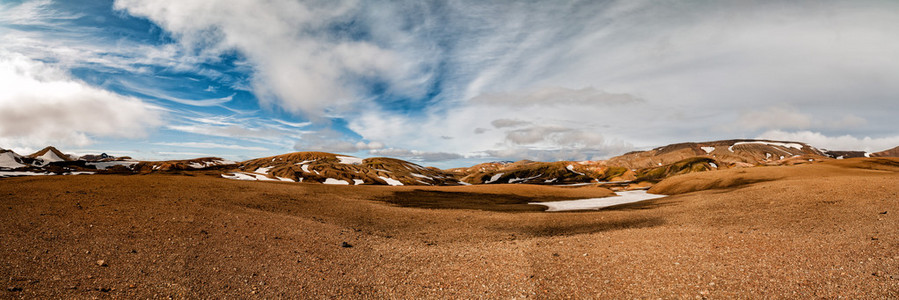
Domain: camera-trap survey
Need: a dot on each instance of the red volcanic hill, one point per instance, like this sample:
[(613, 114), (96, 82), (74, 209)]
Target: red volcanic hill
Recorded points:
[(182, 165), (637, 169), (329, 168), (887, 153), (50, 154), (532, 172), (727, 153)]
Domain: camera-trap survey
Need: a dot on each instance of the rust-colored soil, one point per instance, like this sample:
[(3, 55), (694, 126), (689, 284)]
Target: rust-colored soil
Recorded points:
[(811, 236)]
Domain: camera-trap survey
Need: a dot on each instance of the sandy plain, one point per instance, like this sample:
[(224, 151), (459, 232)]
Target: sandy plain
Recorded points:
[(810, 231)]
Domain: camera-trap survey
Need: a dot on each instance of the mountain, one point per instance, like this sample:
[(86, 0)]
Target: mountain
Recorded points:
[(11, 160), (526, 171), (202, 163), (727, 153), (894, 152), (329, 168), (844, 154), (639, 169), (50, 155), (482, 167)]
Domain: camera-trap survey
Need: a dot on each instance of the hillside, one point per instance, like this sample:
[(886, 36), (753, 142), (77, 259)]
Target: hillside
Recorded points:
[(50, 155), (830, 231), (329, 168), (728, 152), (531, 172), (10, 159), (632, 170), (179, 165), (894, 152), (736, 178)]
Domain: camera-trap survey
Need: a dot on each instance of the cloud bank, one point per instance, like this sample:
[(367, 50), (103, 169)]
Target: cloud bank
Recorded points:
[(491, 80), (42, 105)]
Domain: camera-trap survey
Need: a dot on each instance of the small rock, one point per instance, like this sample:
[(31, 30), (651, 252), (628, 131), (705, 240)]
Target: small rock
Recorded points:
[(102, 263), (874, 238), (883, 212), (14, 289), (346, 245)]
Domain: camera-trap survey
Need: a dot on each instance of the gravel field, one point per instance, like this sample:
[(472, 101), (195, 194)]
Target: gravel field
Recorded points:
[(810, 231)]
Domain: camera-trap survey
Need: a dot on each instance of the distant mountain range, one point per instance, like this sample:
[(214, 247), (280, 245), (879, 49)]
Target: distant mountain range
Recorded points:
[(632, 170)]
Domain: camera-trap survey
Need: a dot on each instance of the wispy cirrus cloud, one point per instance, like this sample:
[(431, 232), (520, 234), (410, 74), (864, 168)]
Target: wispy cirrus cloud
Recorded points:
[(536, 79), (203, 145)]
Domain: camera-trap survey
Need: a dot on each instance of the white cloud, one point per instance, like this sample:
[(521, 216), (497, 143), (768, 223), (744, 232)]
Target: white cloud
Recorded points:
[(843, 142), (42, 105), (156, 93), (568, 71), (415, 155), (328, 140), (502, 123), (212, 146), (298, 64), (552, 96), (774, 118)]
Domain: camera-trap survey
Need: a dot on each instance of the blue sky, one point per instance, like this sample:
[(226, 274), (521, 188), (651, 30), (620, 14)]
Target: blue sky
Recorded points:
[(443, 83)]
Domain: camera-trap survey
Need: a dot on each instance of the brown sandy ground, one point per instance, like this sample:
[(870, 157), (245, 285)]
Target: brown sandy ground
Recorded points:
[(823, 234)]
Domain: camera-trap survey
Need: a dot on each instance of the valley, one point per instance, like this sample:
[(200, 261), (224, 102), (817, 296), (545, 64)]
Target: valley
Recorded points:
[(807, 226)]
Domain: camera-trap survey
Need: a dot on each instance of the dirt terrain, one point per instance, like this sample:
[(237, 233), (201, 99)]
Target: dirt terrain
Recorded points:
[(807, 231)]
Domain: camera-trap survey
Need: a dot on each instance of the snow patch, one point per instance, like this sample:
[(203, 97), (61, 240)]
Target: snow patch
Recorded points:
[(8, 160), (390, 181), (248, 176), (50, 156), (517, 180), (494, 178), (571, 168), (358, 181), (713, 165), (263, 170), (21, 173), (335, 181), (784, 145), (421, 176), (597, 203), (350, 160), (285, 179), (239, 176), (708, 149), (29, 173)]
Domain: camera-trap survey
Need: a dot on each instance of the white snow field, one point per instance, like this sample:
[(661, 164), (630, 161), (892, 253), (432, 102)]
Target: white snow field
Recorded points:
[(597, 203)]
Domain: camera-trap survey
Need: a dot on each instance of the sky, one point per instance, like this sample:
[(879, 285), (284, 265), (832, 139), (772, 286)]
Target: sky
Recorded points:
[(443, 83)]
